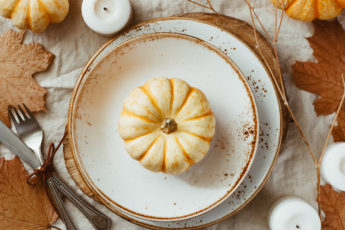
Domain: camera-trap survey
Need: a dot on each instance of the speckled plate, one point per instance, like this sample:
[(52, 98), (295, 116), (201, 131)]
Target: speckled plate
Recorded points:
[(269, 109), (122, 181)]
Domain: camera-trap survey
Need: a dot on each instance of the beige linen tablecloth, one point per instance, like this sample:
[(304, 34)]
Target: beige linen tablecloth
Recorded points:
[(74, 43)]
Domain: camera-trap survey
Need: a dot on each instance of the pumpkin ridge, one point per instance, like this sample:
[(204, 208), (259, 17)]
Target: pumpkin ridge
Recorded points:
[(141, 135), (288, 6), (172, 86), (338, 4), (316, 15), (45, 9), (59, 6), (57, 3), (149, 112), (190, 161), (292, 3), (10, 10), (151, 98), (191, 90), (281, 4), (148, 149), (196, 135), (164, 156), (209, 113), (129, 113), (341, 5), (14, 9), (28, 17)]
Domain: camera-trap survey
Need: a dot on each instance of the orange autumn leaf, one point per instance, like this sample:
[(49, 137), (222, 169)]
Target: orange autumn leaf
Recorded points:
[(333, 205), (22, 206), (18, 62), (324, 77)]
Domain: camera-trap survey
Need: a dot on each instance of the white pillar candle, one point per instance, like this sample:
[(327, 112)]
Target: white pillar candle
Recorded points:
[(292, 213), (333, 166), (107, 17)]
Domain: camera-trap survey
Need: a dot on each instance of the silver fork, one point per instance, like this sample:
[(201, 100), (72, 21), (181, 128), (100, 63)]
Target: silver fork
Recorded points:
[(31, 133)]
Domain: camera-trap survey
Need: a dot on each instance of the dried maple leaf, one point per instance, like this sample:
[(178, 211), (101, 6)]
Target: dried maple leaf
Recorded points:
[(324, 77), (22, 206), (18, 62), (333, 205)]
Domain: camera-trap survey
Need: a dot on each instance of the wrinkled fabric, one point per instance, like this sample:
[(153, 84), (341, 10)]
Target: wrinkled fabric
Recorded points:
[(73, 43)]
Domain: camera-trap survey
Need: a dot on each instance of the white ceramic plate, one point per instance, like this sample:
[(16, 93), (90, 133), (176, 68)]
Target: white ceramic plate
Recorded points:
[(122, 181), (271, 119)]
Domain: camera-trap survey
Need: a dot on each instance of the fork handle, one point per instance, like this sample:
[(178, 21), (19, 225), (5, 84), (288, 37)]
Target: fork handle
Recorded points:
[(97, 219), (60, 205)]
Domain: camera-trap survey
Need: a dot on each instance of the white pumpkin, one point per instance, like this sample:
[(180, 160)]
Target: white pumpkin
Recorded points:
[(35, 15), (167, 125)]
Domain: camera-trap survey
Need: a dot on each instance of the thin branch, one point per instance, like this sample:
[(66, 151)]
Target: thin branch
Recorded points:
[(279, 25), (275, 23), (304, 138), (215, 11), (262, 26), (333, 122), (199, 4), (318, 176), (252, 12), (272, 40), (275, 49)]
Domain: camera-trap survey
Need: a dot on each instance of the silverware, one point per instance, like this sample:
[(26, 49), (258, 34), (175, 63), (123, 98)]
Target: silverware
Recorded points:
[(31, 133), (28, 130), (25, 127), (13, 143)]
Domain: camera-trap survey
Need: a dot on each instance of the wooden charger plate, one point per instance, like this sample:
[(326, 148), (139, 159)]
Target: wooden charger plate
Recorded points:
[(236, 27)]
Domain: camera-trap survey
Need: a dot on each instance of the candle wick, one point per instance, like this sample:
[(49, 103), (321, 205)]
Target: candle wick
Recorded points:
[(105, 8), (297, 226)]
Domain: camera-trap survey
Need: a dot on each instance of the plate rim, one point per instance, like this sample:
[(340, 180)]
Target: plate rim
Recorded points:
[(249, 162), (281, 119)]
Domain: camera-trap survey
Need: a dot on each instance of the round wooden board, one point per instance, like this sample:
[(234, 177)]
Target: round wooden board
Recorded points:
[(242, 30)]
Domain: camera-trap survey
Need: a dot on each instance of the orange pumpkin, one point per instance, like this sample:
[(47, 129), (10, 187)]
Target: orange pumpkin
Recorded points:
[(308, 10)]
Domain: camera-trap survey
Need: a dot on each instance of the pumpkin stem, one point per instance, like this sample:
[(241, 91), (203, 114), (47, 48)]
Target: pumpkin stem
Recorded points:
[(168, 125)]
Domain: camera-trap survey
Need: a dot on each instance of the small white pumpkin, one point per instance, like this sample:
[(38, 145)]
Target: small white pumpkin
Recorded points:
[(167, 125), (35, 15)]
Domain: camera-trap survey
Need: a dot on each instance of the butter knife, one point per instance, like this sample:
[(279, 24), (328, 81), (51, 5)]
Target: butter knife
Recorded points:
[(13, 143)]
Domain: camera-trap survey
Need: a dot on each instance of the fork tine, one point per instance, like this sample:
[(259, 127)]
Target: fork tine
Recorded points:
[(23, 113), (20, 119), (10, 113), (28, 112)]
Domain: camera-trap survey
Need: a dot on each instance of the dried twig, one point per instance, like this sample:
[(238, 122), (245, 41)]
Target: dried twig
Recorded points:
[(200, 4), (333, 122)]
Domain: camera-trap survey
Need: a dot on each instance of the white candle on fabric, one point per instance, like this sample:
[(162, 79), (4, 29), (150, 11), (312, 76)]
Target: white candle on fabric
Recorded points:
[(293, 213), (107, 17), (333, 166)]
